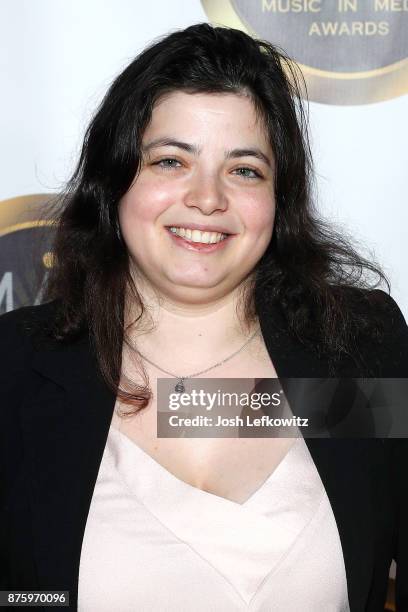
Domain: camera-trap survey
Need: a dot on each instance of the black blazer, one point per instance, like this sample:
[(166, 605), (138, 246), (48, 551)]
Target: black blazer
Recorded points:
[(54, 421)]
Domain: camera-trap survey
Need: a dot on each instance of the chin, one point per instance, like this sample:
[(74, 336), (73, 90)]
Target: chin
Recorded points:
[(195, 292), (193, 279)]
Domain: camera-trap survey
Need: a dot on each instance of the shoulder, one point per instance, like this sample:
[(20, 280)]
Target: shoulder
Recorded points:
[(19, 329), (385, 305), (386, 350), (21, 319), (375, 332), (24, 320)]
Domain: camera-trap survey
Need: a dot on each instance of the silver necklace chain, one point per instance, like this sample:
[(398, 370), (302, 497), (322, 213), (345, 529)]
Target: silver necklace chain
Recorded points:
[(180, 379)]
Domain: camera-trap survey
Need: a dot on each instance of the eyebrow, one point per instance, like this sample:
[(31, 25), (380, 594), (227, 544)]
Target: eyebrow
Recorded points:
[(195, 150), (170, 142), (252, 152)]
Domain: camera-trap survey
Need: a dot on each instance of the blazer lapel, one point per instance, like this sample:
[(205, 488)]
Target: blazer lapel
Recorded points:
[(340, 462), (65, 426)]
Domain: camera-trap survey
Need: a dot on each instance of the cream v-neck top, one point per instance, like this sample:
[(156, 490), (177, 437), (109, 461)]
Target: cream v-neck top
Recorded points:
[(154, 543)]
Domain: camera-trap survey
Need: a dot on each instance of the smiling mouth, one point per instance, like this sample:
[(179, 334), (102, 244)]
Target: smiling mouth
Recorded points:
[(198, 236), (203, 242)]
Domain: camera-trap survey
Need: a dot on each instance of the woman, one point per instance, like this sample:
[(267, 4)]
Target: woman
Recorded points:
[(187, 246)]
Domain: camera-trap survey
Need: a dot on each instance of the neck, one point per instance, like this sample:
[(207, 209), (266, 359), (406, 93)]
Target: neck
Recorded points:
[(193, 335)]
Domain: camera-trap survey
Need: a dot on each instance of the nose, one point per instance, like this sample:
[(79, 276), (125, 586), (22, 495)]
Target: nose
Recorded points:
[(206, 193)]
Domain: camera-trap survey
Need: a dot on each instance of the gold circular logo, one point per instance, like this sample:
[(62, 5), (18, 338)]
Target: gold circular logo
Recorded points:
[(25, 255), (350, 51)]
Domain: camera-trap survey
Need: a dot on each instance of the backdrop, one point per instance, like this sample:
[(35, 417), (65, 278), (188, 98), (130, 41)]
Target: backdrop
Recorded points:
[(59, 56)]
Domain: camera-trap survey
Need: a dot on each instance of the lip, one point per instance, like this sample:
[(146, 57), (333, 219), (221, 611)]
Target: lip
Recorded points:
[(199, 247), (202, 227)]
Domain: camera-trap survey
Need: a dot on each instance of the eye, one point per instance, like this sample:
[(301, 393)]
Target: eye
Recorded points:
[(167, 163), (247, 173)]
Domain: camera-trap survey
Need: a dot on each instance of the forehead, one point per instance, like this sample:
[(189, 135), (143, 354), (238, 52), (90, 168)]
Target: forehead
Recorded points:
[(207, 115)]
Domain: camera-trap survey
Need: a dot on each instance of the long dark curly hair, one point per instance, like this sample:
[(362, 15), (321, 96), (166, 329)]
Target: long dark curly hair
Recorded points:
[(309, 271)]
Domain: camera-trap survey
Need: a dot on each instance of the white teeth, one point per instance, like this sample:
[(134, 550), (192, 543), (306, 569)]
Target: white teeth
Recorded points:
[(198, 235)]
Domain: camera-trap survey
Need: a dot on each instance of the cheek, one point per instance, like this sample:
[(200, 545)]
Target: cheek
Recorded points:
[(259, 213), (144, 202)]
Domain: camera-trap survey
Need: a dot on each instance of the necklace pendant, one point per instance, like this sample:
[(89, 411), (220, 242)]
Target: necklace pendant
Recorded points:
[(180, 388)]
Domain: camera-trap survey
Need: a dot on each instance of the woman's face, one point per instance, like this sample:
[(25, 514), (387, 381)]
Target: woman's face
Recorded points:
[(207, 170)]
